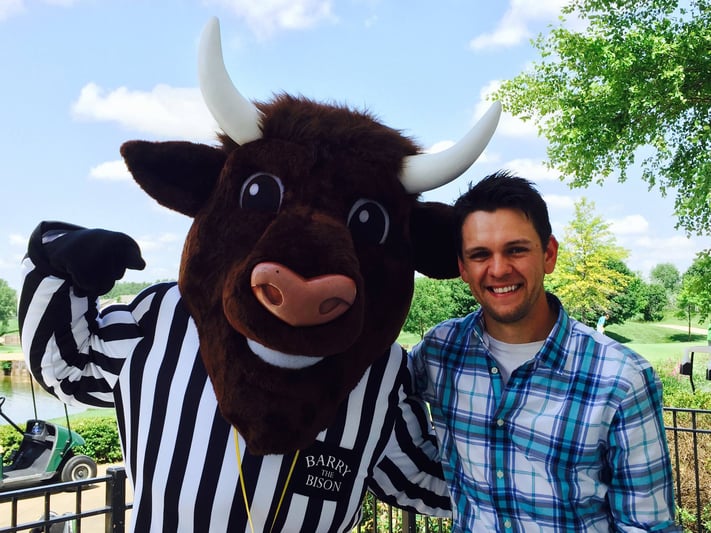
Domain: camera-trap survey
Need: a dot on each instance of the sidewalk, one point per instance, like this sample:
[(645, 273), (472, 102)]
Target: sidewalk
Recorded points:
[(66, 502), (695, 330)]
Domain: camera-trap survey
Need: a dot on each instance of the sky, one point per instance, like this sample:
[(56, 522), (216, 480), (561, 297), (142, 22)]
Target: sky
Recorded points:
[(80, 77)]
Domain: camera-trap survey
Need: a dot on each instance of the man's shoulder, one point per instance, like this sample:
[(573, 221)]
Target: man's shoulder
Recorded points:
[(452, 329), (612, 352)]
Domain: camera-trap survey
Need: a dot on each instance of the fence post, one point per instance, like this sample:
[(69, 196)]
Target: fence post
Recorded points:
[(116, 500), (409, 522)]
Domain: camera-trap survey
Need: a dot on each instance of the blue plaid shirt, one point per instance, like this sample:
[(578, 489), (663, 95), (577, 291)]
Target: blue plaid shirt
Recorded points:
[(574, 442)]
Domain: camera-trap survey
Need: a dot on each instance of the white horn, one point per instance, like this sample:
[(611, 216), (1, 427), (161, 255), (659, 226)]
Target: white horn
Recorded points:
[(424, 172), (238, 117)]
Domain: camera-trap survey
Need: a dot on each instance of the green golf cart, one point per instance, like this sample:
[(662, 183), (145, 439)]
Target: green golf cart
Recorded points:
[(45, 454)]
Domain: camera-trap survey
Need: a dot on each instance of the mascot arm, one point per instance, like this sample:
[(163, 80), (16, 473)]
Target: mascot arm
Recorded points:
[(409, 474), (74, 351)]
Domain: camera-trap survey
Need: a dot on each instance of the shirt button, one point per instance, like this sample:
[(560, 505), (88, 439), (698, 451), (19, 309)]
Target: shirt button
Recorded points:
[(507, 524), (499, 474), (500, 422), (494, 370)]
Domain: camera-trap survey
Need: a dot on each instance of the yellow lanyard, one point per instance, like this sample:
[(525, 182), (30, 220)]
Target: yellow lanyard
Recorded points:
[(244, 490)]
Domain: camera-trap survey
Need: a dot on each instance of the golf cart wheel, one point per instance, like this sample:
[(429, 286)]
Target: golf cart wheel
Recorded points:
[(78, 468)]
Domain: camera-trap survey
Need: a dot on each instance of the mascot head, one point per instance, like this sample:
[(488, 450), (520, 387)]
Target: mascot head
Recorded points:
[(307, 231)]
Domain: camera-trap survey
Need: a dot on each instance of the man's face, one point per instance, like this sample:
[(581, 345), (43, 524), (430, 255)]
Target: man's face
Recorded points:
[(504, 265)]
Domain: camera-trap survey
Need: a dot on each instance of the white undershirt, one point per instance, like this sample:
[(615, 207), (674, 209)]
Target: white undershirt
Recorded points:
[(510, 356)]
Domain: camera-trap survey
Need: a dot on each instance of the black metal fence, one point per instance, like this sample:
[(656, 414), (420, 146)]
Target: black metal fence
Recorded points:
[(114, 510), (689, 438), (688, 434)]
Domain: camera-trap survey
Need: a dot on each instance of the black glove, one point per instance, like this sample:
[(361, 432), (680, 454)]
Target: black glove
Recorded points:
[(91, 259)]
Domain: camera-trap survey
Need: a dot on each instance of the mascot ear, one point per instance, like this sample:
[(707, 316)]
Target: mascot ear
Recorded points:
[(433, 235), (178, 175)]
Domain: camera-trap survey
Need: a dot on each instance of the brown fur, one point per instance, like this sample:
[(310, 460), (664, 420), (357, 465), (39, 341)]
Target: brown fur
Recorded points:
[(327, 158)]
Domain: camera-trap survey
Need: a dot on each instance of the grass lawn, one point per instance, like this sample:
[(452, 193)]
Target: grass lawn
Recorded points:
[(89, 414)]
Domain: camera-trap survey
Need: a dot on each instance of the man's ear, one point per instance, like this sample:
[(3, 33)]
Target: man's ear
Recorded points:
[(462, 272), (432, 231), (550, 255)]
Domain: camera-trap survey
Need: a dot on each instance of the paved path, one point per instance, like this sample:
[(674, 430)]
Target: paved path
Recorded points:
[(66, 502), (696, 330), (12, 356)]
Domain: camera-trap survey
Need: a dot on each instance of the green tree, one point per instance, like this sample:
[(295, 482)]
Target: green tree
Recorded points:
[(627, 304), (632, 87), (432, 302), (655, 302), (695, 293), (583, 278), (128, 288), (462, 299), (667, 275), (8, 305)]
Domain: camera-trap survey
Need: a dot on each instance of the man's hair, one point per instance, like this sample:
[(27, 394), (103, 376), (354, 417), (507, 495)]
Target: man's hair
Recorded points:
[(503, 190)]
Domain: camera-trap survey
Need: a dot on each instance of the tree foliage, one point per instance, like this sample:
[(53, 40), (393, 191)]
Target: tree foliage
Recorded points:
[(585, 278), (667, 275), (633, 84), (629, 303), (435, 301), (463, 301), (128, 288), (695, 293), (655, 301), (8, 305)]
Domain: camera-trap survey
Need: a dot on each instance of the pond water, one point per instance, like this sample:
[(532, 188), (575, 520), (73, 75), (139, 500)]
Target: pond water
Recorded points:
[(18, 406)]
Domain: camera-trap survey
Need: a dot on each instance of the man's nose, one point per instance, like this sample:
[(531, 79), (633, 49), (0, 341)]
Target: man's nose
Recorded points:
[(499, 266)]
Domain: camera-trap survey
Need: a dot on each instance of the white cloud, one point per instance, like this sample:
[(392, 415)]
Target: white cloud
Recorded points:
[(648, 252), (629, 225), (111, 171), (62, 3), (510, 126), (265, 17), (164, 112), (530, 169), (559, 201), (514, 26), (9, 8)]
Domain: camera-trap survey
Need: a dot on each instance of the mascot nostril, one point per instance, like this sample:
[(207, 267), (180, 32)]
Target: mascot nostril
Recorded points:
[(270, 294), (299, 301)]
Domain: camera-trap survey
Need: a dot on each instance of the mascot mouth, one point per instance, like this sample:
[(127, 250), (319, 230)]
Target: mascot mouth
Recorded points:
[(281, 359)]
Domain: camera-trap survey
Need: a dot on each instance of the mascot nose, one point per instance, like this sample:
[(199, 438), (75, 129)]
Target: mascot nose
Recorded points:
[(299, 301)]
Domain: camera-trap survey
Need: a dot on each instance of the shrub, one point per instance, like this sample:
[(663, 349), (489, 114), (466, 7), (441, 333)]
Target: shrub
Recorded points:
[(10, 440), (102, 439)]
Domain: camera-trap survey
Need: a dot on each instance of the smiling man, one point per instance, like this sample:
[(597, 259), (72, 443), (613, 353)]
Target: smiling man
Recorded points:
[(544, 424)]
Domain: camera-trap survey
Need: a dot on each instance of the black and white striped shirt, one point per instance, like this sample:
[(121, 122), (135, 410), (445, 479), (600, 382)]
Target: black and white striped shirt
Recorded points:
[(143, 358)]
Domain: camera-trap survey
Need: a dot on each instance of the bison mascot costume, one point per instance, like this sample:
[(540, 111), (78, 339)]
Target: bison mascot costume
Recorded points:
[(263, 391)]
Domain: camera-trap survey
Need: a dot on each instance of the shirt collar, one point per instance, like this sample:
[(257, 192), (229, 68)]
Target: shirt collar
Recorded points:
[(553, 352)]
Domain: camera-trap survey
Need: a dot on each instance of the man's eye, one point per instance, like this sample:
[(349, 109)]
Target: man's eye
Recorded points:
[(518, 250)]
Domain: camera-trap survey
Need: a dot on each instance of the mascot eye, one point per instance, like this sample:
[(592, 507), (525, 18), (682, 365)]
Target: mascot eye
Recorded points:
[(368, 222), (262, 192)]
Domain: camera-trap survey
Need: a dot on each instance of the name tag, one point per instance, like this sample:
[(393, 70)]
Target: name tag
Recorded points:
[(325, 471)]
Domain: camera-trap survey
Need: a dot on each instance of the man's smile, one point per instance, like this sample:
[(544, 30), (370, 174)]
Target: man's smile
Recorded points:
[(506, 289)]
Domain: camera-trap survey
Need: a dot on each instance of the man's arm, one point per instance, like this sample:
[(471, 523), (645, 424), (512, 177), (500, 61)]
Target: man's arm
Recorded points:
[(641, 494)]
